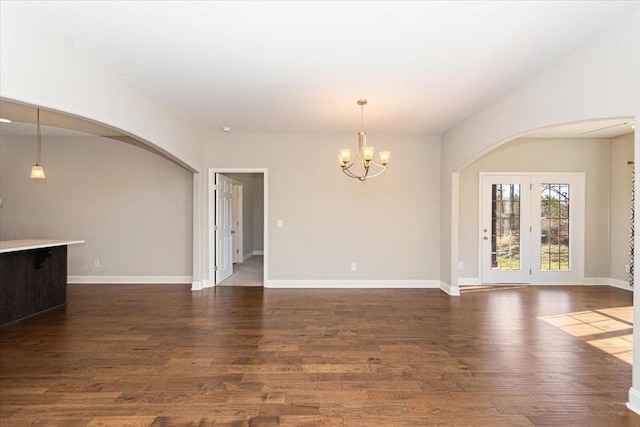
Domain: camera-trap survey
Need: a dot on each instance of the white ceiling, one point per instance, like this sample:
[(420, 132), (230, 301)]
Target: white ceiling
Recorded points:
[(300, 66)]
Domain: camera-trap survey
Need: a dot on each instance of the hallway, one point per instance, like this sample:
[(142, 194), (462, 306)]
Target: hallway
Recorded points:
[(248, 273)]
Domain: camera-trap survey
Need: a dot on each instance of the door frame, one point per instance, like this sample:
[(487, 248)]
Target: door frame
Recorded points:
[(238, 223), (212, 219), (578, 255)]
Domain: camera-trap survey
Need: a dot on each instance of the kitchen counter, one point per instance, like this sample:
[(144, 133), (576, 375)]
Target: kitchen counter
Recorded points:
[(33, 277), (21, 245)]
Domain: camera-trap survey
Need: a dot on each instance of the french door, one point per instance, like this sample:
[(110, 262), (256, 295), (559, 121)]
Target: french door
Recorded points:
[(532, 228)]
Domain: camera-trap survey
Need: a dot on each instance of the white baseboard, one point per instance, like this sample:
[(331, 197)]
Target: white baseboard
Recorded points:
[(588, 281), (608, 281), (250, 255), (596, 281), (453, 291), (200, 285), (130, 280), (620, 284), (634, 400), (352, 284)]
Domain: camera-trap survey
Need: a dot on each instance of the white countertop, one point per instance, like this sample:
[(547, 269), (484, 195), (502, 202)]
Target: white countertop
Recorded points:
[(23, 245)]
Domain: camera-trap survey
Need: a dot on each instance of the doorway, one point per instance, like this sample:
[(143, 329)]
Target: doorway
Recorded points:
[(532, 228), (238, 232)]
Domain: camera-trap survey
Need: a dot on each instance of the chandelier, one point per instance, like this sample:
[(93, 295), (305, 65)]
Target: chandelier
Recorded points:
[(363, 167)]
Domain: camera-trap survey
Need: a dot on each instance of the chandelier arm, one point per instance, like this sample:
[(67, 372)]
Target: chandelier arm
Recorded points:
[(377, 173), (347, 170), (363, 177), (349, 173)]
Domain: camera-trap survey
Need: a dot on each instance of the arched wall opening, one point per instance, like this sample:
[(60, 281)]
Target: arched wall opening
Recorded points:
[(130, 201), (598, 148)]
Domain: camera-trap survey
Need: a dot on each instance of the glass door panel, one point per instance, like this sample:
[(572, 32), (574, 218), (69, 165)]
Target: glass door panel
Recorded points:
[(554, 226), (505, 230), (505, 214), (558, 228)]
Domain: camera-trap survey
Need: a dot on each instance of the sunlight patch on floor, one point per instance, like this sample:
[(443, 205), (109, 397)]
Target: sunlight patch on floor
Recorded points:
[(615, 323)]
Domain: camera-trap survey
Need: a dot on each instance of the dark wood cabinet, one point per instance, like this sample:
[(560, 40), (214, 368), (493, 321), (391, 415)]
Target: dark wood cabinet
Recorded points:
[(31, 282)]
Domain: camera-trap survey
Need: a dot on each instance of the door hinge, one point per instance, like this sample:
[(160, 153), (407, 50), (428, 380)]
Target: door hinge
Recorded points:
[(215, 268), (530, 229), (530, 272), (215, 228), (530, 186), (215, 187)]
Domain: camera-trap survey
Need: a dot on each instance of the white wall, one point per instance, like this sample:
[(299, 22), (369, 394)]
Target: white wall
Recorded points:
[(620, 202), (133, 208), (389, 227), (544, 155), (258, 213), (40, 68)]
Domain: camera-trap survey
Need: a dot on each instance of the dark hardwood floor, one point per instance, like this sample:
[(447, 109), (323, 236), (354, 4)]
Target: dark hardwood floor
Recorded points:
[(165, 356)]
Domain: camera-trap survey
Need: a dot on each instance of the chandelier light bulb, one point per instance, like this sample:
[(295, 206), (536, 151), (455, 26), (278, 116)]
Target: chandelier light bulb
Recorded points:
[(384, 157)]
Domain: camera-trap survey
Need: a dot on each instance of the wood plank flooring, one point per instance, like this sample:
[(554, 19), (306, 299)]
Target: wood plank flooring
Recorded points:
[(244, 356)]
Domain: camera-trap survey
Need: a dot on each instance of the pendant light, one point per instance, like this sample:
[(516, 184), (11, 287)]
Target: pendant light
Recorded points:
[(37, 171)]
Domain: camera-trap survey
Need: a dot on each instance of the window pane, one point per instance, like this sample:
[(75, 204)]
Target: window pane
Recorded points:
[(554, 226), (505, 227)]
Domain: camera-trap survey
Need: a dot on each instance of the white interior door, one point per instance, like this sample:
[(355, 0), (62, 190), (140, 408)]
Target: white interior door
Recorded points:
[(532, 228), (223, 227), (504, 234)]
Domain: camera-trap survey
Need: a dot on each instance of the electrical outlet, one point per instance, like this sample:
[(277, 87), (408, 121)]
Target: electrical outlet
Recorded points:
[(96, 263), (354, 266), (460, 265)]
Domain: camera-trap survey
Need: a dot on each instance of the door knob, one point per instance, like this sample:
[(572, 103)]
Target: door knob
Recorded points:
[(485, 238)]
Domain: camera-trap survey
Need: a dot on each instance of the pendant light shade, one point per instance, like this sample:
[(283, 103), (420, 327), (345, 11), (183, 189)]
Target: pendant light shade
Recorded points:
[(37, 172)]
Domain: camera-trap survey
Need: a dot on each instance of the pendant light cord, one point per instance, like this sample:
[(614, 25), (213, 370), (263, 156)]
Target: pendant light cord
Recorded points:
[(38, 139)]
